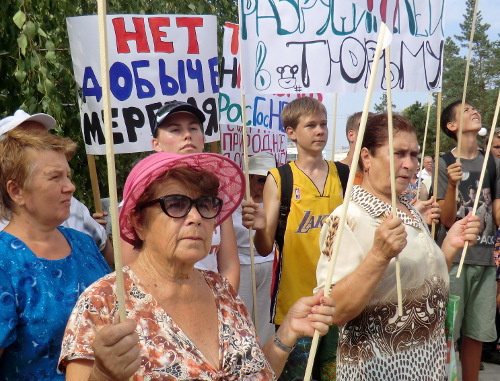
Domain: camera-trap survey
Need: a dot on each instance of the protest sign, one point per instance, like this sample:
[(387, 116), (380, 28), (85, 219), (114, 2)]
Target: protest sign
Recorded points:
[(263, 110), (258, 141), (328, 46), (153, 59)]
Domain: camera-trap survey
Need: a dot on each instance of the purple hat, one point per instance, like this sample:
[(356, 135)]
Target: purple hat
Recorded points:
[(231, 180)]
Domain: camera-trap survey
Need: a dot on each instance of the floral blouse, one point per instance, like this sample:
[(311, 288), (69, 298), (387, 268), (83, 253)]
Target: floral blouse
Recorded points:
[(166, 351)]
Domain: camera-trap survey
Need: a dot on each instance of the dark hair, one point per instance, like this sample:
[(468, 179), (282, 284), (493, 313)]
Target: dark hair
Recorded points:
[(299, 107), (198, 181), (377, 132), (448, 115), (353, 121)]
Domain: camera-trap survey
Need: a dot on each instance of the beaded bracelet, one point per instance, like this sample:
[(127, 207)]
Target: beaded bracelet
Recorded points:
[(280, 344)]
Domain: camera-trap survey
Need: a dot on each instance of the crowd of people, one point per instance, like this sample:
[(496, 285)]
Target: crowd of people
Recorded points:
[(191, 312)]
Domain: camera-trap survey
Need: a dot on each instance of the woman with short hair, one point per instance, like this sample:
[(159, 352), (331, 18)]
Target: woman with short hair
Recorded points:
[(374, 342), (184, 323), (43, 267)]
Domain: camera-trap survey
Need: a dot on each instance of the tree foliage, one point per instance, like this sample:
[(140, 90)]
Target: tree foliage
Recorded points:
[(382, 106), (484, 77), (417, 115), (37, 72)]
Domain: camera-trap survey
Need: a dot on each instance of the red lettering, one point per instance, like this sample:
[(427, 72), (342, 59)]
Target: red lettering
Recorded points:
[(155, 23), (122, 36), (234, 37), (256, 143), (191, 23)]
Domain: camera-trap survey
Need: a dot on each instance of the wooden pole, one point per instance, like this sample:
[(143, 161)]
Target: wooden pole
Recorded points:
[(466, 80), (392, 170), (214, 147), (94, 183), (424, 142), (110, 157), (334, 132), (247, 175), (436, 154), (350, 183)]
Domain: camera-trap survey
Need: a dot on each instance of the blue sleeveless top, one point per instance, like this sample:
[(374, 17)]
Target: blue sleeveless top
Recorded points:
[(36, 299)]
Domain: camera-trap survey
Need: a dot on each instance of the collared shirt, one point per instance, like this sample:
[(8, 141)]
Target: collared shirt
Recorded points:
[(375, 344)]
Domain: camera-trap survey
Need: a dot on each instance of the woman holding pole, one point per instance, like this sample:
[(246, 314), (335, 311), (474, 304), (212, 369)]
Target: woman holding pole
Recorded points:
[(374, 342), (184, 323)]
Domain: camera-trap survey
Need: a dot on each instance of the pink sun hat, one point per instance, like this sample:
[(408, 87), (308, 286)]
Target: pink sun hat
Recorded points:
[(231, 180)]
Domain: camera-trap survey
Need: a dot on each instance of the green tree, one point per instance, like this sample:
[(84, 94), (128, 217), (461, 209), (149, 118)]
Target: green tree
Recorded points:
[(417, 115), (37, 72), (481, 48), (382, 106), (484, 70)]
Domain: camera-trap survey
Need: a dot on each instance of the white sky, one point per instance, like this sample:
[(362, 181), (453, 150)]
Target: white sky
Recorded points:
[(350, 103)]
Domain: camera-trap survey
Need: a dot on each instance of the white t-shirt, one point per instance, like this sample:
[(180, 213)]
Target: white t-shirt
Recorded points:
[(423, 174), (210, 261), (242, 240)]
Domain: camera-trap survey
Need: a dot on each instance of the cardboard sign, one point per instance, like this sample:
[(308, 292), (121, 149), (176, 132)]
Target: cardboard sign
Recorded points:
[(152, 59), (263, 111), (258, 141), (327, 46)]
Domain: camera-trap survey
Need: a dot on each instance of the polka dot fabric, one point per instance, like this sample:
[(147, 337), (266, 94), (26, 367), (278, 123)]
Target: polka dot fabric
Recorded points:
[(231, 179)]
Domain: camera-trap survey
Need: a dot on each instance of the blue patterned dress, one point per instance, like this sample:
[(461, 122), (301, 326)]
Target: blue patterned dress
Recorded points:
[(36, 299)]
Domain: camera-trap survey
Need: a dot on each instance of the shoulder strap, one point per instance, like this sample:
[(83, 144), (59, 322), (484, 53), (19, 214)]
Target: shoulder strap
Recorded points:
[(448, 158), (491, 166), (343, 171), (286, 175)]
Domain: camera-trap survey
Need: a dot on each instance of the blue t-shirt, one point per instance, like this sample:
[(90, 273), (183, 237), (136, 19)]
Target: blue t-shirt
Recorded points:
[(36, 299)]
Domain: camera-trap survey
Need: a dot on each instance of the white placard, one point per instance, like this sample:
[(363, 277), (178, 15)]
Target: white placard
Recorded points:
[(258, 141), (319, 46), (263, 111), (152, 59)]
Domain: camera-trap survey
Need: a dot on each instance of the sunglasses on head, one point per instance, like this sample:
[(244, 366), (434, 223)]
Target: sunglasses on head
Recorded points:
[(178, 205)]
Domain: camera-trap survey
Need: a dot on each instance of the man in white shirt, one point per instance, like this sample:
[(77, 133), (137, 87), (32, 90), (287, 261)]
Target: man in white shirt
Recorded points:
[(427, 168)]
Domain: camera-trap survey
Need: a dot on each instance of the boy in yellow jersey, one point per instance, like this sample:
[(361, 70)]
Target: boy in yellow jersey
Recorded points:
[(316, 192)]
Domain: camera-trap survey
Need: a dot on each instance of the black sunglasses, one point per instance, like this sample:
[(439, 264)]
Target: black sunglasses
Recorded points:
[(178, 205)]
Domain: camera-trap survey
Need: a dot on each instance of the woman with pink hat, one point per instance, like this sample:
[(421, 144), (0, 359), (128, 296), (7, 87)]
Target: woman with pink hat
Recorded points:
[(178, 128), (183, 323)]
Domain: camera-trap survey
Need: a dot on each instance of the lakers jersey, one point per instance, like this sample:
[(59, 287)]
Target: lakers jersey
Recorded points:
[(295, 267)]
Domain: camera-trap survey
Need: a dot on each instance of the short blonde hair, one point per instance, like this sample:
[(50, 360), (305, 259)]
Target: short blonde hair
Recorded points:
[(17, 162), (299, 107)]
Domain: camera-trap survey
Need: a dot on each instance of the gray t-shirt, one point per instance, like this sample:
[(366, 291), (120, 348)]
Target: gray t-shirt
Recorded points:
[(482, 252)]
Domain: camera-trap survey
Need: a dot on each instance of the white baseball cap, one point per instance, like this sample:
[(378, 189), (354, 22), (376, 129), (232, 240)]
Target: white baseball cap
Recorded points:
[(20, 116), (260, 163)]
